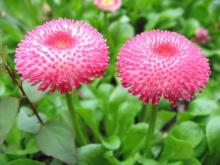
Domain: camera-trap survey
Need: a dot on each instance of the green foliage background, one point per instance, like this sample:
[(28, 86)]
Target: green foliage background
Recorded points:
[(114, 122)]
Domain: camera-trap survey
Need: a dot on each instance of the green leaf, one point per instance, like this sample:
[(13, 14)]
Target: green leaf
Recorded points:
[(13, 139), (110, 157), (112, 143), (90, 118), (14, 31), (141, 5), (201, 148), (55, 162), (176, 149), (145, 161), (117, 29), (8, 111), (153, 19), (2, 87), (190, 27), (118, 96), (105, 90), (176, 163), (134, 138), (55, 139), (25, 162), (189, 132), (191, 161), (126, 116), (202, 106), (91, 154), (210, 53), (172, 13), (199, 10), (3, 160), (213, 136), (213, 9), (103, 93), (32, 91), (29, 148), (86, 92), (89, 104), (27, 121), (183, 116), (163, 118), (165, 19)]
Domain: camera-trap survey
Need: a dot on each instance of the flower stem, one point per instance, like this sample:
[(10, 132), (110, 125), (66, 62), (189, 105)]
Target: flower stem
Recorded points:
[(152, 125), (106, 27), (80, 139), (13, 77)]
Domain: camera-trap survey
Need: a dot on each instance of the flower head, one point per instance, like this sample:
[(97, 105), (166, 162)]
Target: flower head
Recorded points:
[(162, 63), (108, 5), (202, 35), (62, 54)]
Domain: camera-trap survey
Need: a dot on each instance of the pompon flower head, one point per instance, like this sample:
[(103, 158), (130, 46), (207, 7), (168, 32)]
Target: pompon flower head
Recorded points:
[(62, 54), (108, 5), (162, 63)]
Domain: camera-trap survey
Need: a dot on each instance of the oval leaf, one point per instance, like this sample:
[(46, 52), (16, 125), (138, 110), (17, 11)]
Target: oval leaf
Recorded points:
[(55, 139), (134, 138), (32, 92), (25, 162), (8, 111), (176, 149), (213, 136), (28, 122), (188, 131), (91, 154)]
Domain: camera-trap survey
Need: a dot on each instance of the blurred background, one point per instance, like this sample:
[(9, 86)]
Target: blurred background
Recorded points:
[(198, 20)]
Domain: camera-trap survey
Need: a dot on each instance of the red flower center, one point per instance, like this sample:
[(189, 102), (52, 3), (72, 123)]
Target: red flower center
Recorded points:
[(165, 49), (60, 40)]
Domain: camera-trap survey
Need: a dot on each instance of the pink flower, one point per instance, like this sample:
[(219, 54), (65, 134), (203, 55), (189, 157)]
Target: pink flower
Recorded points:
[(62, 54), (108, 5), (202, 35), (162, 63)]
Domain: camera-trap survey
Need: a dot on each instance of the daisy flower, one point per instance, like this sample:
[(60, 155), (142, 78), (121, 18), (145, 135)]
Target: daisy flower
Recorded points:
[(162, 63), (108, 5), (61, 54)]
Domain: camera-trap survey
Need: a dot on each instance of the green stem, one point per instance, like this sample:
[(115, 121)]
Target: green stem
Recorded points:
[(109, 156), (152, 125), (106, 26), (80, 139), (144, 113)]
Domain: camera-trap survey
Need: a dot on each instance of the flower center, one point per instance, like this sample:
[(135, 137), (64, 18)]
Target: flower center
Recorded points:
[(60, 40), (107, 2), (165, 49)]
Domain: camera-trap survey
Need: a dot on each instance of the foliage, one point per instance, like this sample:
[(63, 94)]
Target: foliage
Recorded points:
[(114, 122)]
